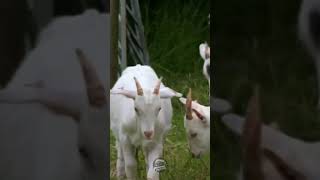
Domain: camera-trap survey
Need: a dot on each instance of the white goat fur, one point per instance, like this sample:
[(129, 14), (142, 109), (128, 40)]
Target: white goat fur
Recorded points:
[(198, 131), (204, 51), (128, 126), (38, 144), (300, 155)]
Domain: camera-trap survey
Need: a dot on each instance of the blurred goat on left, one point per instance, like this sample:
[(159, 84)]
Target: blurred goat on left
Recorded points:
[(54, 108)]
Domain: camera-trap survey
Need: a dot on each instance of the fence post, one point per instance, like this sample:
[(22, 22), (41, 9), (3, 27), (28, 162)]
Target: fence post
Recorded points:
[(114, 41)]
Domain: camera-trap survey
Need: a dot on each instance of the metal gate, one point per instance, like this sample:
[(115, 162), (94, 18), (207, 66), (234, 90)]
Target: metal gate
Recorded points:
[(131, 38)]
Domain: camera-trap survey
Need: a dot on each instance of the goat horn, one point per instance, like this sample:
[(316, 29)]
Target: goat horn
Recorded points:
[(207, 52), (139, 88), (95, 89), (189, 106), (251, 139), (157, 88)]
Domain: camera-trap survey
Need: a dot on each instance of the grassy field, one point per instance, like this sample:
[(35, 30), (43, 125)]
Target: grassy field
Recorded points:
[(284, 70), (174, 32)]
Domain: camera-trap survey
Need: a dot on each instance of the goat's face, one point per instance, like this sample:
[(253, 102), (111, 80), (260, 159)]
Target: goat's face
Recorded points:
[(147, 105), (197, 125), (204, 51), (147, 108)]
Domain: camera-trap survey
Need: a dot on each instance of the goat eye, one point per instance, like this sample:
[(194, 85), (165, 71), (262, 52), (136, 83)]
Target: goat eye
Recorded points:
[(193, 135), (136, 109), (159, 109)]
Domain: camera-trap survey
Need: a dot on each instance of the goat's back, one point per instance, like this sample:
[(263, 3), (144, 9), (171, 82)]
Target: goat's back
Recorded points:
[(145, 75)]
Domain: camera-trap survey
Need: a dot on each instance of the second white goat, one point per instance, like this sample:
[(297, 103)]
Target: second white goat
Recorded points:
[(197, 124)]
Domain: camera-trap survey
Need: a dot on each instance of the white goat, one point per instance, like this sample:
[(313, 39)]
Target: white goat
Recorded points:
[(218, 105), (141, 113), (204, 51), (309, 31), (40, 140), (197, 124), (270, 154)]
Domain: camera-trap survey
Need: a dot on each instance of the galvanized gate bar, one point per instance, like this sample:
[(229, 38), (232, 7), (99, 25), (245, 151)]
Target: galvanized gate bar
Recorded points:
[(131, 35), (122, 35)]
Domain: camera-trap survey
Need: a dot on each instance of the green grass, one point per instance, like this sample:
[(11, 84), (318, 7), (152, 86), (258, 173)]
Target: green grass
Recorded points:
[(174, 32)]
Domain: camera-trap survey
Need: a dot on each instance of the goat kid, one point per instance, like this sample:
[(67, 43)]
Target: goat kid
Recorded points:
[(141, 113), (197, 124)]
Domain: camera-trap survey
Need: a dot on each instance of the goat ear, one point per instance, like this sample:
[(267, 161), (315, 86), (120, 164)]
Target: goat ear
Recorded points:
[(195, 109), (183, 100), (127, 93), (200, 115), (59, 102), (195, 104), (220, 105), (234, 122), (65, 103), (169, 93), (23, 95)]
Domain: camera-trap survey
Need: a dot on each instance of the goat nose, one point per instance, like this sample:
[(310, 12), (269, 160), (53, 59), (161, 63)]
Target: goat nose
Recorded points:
[(148, 134)]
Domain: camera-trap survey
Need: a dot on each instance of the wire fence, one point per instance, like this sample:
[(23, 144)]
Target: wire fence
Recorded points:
[(131, 41)]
